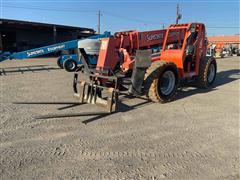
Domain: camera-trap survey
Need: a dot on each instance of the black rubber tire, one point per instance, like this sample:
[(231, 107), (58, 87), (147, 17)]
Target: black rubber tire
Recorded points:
[(59, 64), (202, 78), (70, 65), (152, 78)]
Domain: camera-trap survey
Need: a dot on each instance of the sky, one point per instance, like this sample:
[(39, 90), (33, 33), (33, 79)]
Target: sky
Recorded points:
[(221, 17)]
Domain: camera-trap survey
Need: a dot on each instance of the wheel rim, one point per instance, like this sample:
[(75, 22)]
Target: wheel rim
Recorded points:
[(211, 73), (70, 65), (167, 83)]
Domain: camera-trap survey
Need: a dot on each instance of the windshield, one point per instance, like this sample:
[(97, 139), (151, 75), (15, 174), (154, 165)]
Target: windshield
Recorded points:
[(175, 39)]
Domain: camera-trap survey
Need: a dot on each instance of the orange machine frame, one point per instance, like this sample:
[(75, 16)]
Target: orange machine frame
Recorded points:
[(178, 55), (128, 42)]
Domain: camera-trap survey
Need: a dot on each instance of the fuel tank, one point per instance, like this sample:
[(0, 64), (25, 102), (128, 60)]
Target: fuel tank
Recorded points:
[(91, 46)]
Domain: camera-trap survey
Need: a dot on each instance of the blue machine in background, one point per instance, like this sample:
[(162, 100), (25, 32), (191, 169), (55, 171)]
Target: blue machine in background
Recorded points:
[(4, 55), (68, 62)]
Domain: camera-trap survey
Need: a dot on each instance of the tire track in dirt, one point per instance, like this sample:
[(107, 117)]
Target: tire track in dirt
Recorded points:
[(62, 151), (96, 155)]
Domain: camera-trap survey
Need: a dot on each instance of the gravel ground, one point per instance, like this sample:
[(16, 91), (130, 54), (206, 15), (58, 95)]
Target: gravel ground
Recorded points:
[(194, 137)]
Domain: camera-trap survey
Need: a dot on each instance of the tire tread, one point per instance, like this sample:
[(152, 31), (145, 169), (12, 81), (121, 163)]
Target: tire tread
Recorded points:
[(151, 78)]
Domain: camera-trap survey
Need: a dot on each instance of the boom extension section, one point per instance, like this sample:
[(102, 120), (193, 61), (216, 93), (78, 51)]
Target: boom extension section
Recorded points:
[(74, 44)]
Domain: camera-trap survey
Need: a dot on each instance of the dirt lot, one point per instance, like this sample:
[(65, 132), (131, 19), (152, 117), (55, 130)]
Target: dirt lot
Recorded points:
[(194, 137)]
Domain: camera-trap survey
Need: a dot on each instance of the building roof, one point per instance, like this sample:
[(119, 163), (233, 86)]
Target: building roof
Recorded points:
[(225, 39), (27, 24)]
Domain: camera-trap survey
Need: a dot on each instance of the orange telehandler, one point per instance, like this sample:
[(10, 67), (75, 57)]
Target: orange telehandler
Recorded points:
[(148, 63)]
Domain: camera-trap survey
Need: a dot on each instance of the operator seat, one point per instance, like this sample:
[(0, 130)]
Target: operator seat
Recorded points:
[(190, 48)]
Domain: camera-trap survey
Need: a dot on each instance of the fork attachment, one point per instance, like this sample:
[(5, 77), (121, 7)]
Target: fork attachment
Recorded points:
[(91, 92)]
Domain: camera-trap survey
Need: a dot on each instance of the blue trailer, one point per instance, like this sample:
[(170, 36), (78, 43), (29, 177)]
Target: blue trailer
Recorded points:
[(68, 62)]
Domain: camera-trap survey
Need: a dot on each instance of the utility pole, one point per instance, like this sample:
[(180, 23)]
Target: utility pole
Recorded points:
[(99, 21), (178, 15)]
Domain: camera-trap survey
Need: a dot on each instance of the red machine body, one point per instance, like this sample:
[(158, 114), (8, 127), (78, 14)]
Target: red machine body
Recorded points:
[(127, 43)]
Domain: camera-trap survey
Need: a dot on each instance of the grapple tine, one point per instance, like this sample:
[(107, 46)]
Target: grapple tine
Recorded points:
[(95, 94), (82, 91), (88, 91), (75, 79), (91, 92), (110, 101)]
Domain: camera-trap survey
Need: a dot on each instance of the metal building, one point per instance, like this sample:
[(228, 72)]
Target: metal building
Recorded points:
[(18, 35), (234, 40)]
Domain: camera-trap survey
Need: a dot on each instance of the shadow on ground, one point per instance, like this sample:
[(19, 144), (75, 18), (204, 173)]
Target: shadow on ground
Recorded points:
[(222, 78), (23, 69), (92, 115)]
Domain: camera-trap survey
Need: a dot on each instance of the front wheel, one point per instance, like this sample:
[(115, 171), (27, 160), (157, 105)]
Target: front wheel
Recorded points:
[(161, 80), (70, 65)]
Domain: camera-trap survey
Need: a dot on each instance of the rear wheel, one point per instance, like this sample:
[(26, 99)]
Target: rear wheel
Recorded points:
[(207, 72), (70, 65), (161, 80)]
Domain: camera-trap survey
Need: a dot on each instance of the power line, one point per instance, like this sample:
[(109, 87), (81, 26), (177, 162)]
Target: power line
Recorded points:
[(126, 1), (47, 9), (77, 11), (107, 13), (130, 18), (223, 27)]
